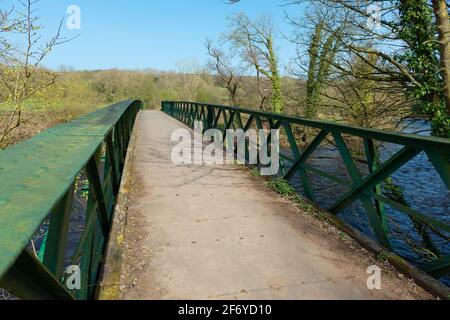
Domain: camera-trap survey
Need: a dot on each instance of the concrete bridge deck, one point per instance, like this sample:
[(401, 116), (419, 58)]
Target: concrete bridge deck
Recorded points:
[(217, 232)]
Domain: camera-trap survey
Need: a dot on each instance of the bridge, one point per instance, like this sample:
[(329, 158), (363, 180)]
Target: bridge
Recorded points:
[(99, 197)]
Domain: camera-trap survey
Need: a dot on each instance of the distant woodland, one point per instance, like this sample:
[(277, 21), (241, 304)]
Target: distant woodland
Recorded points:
[(366, 63)]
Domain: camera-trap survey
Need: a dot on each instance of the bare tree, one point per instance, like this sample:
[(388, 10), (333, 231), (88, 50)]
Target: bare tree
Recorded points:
[(189, 74), (255, 42), (230, 77), (20, 71)]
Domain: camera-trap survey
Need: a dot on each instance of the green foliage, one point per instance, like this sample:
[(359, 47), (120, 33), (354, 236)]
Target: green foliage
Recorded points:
[(440, 119), (255, 172), (277, 96), (79, 92), (321, 56), (88, 90), (342, 235), (418, 30), (362, 105), (282, 187), (382, 257)]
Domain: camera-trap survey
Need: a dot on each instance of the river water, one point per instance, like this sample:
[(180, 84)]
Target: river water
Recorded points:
[(422, 188)]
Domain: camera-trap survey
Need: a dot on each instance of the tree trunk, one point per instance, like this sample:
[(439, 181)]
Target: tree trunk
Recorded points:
[(443, 22), (277, 95), (260, 89)]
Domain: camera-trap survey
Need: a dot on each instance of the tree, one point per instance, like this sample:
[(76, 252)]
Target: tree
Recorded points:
[(381, 69), (229, 76), (20, 71), (421, 57), (410, 41), (365, 102), (441, 9), (189, 76), (321, 54), (255, 41)]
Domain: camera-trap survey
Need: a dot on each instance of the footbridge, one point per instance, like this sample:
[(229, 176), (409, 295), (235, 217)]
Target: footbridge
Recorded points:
[(97, 209)]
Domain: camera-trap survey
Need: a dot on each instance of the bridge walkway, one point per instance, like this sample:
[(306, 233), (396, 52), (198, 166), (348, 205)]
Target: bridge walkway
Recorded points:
[(217, 232)]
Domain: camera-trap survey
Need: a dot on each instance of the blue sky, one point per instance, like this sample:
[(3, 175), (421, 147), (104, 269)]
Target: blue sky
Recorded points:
[(140, 34)]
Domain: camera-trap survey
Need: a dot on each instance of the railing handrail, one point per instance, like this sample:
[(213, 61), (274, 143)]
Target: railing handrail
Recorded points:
[(436, 144), (38, 173), (364, 184)]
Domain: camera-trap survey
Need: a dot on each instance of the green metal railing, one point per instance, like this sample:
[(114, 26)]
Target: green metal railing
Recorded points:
[(39, 183), (366, 188)]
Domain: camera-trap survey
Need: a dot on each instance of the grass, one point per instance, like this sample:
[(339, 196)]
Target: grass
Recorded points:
[(27, 106), (37, 117), (382, 258), (57, 104), (282, 187), (255, 172), (342, 235)]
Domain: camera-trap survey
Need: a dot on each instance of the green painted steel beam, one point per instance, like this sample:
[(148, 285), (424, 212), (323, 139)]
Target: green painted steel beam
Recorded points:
[(434, 144), (97, 193), (29, 279), (437, 267), (383, 172), (381, 229), (442, 165), (372, 164), (56, 240), (413, 213), (307, 153), (112, 163), (368, 189), (35, 175)]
